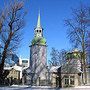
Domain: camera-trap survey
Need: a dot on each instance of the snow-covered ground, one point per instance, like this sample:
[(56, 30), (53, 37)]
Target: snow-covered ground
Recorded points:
[(23, 87), (83, 87)]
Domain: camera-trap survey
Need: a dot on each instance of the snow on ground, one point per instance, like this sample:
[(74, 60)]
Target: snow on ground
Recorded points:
[(83, 87), (24, 87)]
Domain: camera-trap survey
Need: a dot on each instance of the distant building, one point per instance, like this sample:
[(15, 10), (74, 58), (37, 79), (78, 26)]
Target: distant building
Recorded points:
[(24, 62)]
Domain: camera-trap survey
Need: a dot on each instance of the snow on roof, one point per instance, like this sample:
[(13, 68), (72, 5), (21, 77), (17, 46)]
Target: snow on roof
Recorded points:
[(7, 68), (54, 68), (18, 68), (24, 68), (66, 69)]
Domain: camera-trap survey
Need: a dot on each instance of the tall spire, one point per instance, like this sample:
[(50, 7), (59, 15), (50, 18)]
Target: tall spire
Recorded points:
[(38, 22), (38, 30)]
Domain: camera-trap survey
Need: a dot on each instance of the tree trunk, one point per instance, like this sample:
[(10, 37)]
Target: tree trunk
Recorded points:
[(84, 74)]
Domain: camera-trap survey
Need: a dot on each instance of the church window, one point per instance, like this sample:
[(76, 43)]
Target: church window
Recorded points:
[(69, 80), (66, 80)]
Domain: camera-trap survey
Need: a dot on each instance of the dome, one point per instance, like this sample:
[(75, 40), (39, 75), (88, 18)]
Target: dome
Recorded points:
[(39, 40)]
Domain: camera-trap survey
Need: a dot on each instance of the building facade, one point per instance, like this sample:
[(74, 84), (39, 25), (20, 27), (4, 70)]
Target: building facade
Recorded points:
[(15, 74), (38, 56), (69, 73), (65, 76)]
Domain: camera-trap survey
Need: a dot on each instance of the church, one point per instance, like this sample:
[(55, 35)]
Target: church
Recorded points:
[(38, 73), (38, 57)]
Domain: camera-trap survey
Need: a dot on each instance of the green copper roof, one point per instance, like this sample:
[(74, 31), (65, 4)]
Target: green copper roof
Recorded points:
[(39, 40), (73, 55)]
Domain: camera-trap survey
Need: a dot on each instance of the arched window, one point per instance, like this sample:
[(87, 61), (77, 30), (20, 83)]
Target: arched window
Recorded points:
[(40, 31)]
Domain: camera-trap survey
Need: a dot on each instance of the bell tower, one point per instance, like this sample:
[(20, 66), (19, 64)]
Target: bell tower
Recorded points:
[(38, 30), (38, 56)]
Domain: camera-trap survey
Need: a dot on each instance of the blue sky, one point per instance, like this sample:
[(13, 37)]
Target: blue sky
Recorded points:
[(53, 14)]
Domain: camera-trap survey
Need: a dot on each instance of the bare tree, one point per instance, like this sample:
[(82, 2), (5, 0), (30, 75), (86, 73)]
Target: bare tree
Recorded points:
[(11, 24), (78, 30), (62, 56), (57, 57), (54, 57)]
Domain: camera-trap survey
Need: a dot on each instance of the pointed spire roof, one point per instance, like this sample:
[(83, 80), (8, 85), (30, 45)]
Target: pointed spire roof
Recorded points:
[(38, 22)]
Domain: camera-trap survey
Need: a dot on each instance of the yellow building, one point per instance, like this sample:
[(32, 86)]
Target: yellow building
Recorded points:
[(15, 74)]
